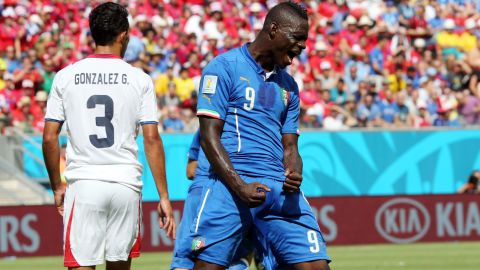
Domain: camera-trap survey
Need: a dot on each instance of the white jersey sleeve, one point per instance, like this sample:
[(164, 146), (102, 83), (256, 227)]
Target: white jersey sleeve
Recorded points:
[(55, 110), (148, 109)]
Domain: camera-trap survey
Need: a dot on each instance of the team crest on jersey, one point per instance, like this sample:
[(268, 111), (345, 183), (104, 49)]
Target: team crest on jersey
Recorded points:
[(285, 96), (209, 84), (198, 243)]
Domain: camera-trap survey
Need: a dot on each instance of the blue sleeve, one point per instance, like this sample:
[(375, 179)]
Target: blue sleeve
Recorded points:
[(215, 86), (395, 108), (359, 112), (371, 56), (291, 120), (194, 147), (375, 111)]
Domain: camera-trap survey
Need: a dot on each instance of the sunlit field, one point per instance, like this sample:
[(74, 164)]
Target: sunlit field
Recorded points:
[(438, 256)]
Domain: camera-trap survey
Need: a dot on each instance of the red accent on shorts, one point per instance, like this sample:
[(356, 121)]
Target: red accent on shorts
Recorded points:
[(68, 259), (135, 252), (103, 55)]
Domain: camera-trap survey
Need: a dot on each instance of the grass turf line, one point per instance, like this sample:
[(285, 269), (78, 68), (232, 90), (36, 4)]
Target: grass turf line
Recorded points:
[(434, 256)]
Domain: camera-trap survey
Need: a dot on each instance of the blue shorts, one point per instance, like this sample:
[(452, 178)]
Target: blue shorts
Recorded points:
[(183, 257), (182, 252), (284, 225)]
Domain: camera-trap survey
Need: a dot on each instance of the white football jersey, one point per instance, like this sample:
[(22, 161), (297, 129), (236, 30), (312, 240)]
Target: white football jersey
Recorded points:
[(102, 100)]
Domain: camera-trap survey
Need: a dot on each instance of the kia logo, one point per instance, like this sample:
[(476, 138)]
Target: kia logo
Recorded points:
[(402, 220)]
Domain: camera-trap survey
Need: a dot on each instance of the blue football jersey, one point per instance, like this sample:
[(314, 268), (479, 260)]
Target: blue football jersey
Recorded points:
[(257, 109), (194, 147)]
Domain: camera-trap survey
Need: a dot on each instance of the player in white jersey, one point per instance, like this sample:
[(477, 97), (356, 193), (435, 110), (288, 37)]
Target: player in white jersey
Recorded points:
[(103, 101)]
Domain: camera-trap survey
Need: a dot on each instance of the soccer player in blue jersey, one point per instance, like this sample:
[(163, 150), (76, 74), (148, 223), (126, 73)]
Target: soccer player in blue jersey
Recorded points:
[(182, 260), (249, 108)]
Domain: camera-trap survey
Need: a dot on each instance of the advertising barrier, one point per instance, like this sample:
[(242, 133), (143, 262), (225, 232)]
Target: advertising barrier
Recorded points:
[(350, 163), (37, 230)]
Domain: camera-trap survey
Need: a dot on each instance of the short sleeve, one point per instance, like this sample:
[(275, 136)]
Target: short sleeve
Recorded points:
[(194, 147), (214, 90), (291, 120), (148, 107), (55, 109)]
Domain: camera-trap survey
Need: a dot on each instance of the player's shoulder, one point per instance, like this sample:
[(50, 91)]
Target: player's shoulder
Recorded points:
[(226, 60), (70, 68), (62, 74), (138, 73)]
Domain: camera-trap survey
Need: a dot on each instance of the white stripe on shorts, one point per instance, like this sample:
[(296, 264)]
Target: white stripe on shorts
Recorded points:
[(201, 210)]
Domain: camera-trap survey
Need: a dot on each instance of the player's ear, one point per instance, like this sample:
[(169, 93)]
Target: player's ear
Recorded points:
[(122, 37), (272, 30)]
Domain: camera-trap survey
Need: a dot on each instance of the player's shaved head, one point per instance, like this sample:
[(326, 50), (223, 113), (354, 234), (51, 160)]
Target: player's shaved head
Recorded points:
[(285, 14), (283, 36), (107, 21)]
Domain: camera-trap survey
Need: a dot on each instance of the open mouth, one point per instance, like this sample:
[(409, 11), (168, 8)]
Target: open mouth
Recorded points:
[(291, 55)]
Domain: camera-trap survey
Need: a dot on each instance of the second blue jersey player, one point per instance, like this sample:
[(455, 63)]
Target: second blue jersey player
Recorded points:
[(249, 108)]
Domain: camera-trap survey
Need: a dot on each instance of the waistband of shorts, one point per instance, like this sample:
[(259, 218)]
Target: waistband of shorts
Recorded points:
[(133, 187), (243, 176)]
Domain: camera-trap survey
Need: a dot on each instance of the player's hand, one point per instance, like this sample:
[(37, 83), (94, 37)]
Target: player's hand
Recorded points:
[(293, 180), (165, 218), (59, 198), (253, 194)]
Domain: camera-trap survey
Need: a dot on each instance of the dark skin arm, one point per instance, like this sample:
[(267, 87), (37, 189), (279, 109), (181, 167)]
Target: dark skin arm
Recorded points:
[(292, 163), (153, 146), (51, 155), (191, 167), (252, 194)]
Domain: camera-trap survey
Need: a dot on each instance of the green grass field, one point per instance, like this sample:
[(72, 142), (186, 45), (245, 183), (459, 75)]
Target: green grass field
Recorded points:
[(438, 256)]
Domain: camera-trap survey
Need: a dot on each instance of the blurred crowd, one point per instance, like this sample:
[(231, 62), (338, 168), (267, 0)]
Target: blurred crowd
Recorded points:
[(368, 63)]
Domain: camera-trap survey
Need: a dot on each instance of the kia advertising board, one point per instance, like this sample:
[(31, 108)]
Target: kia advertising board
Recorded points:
[(397, 219), (37, 230)]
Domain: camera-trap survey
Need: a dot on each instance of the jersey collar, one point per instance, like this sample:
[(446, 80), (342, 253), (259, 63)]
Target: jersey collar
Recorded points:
[(103, 55)]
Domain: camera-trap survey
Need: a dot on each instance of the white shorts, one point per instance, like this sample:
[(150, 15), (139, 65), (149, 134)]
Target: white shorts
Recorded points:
[(101, 221)]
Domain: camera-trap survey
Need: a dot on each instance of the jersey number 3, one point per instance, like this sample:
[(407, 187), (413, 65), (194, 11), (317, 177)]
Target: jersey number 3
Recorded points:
[(104, 121)]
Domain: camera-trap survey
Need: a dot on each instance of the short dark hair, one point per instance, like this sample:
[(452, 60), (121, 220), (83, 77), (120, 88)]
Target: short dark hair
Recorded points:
[(107, 21), (473, 179), (284, 12)]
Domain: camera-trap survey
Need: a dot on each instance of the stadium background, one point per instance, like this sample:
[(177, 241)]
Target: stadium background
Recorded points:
[(390, 106)]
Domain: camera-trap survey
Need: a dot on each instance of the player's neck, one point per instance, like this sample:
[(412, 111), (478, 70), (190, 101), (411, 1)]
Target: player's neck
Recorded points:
[(262, 55), (113, 50)]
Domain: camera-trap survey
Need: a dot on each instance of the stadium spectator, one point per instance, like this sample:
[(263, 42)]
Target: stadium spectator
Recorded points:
[(21, 116), (171, 99), (184, 84), (338, 119), (414, 46), (470, 108), (422, 117), (471, 187), (38, 110), (368, 113), (173, 122)]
